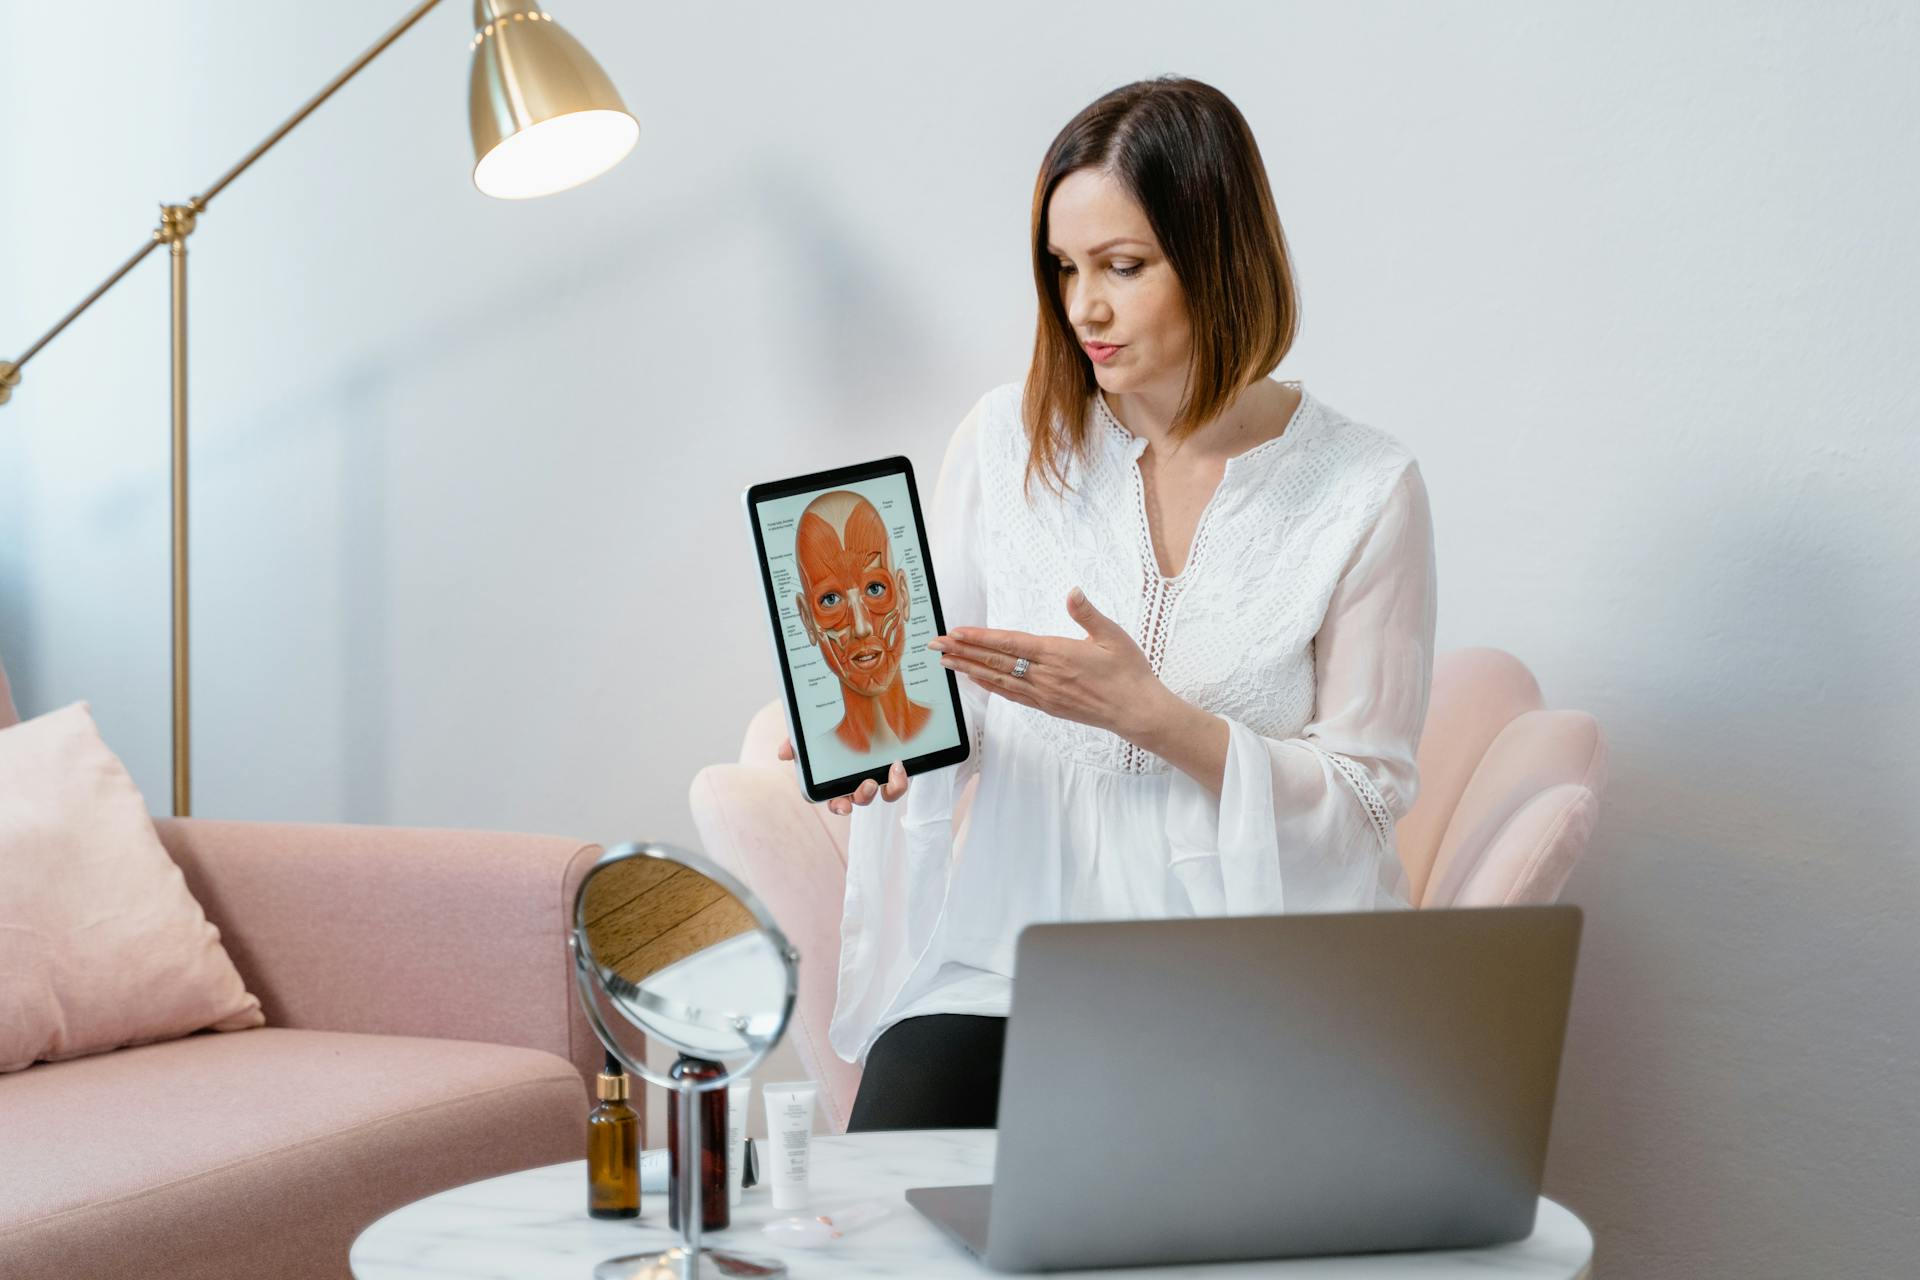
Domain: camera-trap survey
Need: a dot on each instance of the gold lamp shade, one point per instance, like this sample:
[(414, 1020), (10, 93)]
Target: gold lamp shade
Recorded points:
[(544, 115)]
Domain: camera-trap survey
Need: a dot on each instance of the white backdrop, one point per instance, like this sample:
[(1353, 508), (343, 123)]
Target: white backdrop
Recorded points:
[(1636, 285)]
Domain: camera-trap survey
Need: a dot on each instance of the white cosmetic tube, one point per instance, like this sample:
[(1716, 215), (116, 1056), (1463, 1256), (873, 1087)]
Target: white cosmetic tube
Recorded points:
[(790, 1135), (739, 1096), (655, 1162)]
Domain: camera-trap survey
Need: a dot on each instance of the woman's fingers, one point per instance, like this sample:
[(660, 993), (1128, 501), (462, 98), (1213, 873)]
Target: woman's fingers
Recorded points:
[(896, 782), (785, 751), (1013, 689), (867, 792), (982, 655), (863, 794), (1015, 643)]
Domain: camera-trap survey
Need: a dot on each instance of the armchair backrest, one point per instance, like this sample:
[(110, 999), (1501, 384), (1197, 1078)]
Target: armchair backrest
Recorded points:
[(1476, 693), (1509, 792), (762, 744)]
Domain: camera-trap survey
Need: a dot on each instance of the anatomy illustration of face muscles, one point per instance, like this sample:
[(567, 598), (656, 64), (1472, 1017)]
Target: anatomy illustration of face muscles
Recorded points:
[(853, 603)]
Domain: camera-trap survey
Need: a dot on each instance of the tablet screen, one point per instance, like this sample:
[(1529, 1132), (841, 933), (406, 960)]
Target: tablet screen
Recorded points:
[(847, 569)]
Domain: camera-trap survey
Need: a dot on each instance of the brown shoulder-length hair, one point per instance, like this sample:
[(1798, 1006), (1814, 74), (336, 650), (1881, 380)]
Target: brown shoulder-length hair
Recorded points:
[(1185, 153)]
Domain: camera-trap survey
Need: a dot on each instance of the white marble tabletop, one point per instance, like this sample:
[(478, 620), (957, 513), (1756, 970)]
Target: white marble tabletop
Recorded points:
[(534, 1226)]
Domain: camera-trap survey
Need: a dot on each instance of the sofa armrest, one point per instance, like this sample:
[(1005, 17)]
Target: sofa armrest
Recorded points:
[(457, 935)]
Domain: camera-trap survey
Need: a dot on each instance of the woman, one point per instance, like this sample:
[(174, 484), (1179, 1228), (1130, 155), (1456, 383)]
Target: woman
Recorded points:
[(1198, 611)]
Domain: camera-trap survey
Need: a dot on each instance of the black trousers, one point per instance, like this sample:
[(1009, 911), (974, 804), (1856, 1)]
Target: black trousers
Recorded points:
[(941, 1071)]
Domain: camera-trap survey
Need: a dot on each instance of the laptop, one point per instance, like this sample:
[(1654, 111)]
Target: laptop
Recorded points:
[(1178, 1091)]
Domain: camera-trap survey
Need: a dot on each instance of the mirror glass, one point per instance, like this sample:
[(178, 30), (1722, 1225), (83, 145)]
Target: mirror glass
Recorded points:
[(683, 954)]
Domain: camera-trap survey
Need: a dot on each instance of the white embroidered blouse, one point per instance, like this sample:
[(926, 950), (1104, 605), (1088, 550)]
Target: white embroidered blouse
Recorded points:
[(1304, 617)]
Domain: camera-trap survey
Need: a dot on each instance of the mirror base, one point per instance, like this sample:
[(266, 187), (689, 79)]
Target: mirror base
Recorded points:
[(678, 1264)]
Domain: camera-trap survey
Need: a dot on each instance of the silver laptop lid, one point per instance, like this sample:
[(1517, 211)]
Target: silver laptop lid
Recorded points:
[(1274, 1086)]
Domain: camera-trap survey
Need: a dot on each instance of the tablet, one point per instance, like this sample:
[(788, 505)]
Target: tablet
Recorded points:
[(851, 604)]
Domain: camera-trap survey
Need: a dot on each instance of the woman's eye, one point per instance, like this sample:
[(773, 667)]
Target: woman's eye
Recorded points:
[(830, 599), (1127, 269), (1066, 268), (876, 588)]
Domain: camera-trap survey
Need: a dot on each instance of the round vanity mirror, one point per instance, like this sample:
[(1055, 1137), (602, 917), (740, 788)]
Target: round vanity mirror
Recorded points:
[(683, 954)]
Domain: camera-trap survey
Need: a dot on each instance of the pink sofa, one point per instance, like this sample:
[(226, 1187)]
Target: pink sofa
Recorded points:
[(422, 1032), (1509, 792)]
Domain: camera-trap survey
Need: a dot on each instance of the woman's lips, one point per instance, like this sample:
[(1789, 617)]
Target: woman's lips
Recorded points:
[(1101, 352)]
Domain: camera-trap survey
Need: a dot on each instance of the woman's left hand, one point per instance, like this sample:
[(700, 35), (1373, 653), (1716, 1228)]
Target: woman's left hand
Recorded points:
[(1104, 680)]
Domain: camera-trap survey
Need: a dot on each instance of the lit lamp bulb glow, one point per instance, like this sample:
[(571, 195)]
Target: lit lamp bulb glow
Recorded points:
[(545, 117)]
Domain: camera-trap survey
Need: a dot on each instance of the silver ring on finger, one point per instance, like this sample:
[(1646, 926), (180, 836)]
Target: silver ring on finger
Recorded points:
[(1020, 668)]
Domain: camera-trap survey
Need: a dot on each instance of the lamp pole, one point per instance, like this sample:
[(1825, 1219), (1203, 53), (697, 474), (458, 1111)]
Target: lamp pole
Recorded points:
[(547, 76), (176, 224)]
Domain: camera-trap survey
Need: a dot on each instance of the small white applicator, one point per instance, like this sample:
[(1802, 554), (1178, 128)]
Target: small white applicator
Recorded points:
[(821, 1231)]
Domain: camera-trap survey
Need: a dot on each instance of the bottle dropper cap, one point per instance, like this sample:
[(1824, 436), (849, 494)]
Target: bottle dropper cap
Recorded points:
[(611, 1086)]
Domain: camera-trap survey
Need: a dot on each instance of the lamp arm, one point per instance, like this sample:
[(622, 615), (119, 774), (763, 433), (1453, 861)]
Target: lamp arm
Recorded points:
[(152, 243), (174, 226), (353, 69)]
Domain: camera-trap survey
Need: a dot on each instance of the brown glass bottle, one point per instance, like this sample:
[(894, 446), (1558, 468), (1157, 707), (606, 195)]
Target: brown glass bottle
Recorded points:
[(714, 1215), (613, 1149)]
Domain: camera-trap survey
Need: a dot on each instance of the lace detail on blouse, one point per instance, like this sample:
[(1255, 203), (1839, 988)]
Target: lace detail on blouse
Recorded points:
[(1233, 631), (1158, 593), (1369, 796)]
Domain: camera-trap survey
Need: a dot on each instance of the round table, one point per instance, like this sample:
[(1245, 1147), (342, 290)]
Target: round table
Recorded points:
[(534, 1226)]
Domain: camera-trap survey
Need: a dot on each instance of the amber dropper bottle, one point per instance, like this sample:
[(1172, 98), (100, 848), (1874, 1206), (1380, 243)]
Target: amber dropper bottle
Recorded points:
[(613, 1148)]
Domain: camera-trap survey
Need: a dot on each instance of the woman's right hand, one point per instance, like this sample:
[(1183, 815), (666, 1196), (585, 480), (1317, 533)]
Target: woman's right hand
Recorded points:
[(867, 791)]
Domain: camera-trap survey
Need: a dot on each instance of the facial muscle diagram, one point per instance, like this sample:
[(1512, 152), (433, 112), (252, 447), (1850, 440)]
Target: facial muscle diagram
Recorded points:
[(853, 603)]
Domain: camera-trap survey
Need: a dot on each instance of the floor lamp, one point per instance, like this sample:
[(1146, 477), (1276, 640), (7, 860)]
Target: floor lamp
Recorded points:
[(544, 118)]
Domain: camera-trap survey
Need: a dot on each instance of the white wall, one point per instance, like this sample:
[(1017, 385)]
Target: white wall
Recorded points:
[(1636, 285)]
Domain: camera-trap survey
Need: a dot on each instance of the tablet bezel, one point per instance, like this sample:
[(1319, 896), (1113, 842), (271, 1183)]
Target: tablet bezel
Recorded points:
[(817, 789)]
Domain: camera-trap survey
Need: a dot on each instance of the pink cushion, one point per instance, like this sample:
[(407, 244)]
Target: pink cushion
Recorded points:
[(262, 1153), (101, 945)]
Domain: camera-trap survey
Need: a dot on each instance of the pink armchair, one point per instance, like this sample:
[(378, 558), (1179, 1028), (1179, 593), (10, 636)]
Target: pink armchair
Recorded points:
[(1509, 791)]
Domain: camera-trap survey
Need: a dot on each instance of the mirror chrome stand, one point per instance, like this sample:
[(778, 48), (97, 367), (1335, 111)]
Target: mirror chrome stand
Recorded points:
[(707, 997)]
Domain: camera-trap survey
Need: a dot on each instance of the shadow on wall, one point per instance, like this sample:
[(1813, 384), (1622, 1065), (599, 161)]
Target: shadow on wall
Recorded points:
[(1715, 987), (865, 341), (366, 668), (860, 353), (16, 637)]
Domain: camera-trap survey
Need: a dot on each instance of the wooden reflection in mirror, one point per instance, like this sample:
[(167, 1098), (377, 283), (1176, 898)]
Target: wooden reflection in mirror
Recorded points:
[(644, 914)]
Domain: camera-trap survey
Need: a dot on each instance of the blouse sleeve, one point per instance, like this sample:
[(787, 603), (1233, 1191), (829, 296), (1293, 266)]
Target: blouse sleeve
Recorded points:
[(900, 853), (1307, 823)]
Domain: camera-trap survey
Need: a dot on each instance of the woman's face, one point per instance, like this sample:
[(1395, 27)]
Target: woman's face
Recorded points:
[(1121, 295)]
